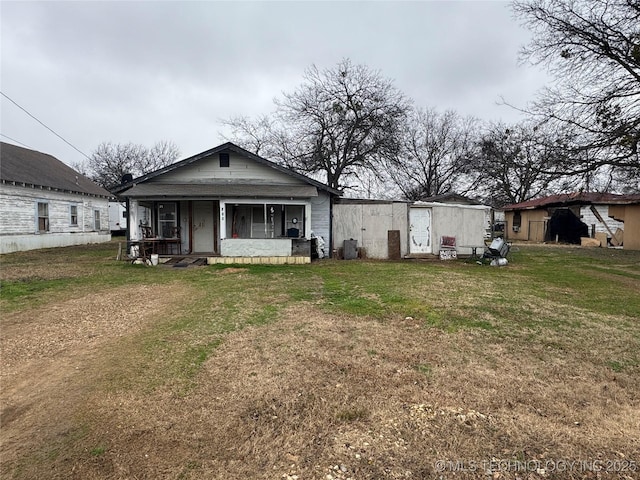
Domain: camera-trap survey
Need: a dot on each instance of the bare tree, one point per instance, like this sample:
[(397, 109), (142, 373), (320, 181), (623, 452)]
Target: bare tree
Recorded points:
[(521, 162), (435, 155), (110, 162), (340, 122), (592, 47)]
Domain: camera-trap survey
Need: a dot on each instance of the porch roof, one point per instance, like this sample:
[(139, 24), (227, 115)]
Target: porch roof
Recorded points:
[(220, 190)]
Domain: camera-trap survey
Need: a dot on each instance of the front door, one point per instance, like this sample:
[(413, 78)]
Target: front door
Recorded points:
[(419, 231), (203, 227)]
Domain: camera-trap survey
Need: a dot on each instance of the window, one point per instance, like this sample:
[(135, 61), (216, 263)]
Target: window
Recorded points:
[(43, 217), (265, 221), (517, 221), (73, 215), (224, 160), (96, 220), (168, 219)]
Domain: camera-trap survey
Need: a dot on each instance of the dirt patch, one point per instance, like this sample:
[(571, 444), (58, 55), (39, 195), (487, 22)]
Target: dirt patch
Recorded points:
[(48, 358)]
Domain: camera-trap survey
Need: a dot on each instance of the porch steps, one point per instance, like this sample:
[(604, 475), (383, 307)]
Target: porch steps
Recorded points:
[(178, 262)]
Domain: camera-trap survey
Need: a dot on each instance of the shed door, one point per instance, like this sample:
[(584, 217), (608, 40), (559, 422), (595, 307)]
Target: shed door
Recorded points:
[(203, 227), (419, 230)]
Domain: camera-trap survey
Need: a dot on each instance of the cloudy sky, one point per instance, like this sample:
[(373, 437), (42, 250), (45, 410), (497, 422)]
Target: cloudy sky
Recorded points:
[(143, 72)]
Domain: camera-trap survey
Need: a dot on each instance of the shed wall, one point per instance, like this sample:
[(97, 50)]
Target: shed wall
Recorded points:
[(466, 224), (368, 224)]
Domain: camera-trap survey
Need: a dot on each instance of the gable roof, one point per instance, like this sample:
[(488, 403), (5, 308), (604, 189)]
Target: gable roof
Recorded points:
[(225, 147), (28, 167), (576, 198)]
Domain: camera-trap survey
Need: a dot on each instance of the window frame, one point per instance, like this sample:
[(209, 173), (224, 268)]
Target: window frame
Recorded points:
[(97, 222), (170, 224), (73, 223), (45, 217)]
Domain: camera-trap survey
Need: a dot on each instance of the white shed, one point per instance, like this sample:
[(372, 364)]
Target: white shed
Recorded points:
[(386, 229)]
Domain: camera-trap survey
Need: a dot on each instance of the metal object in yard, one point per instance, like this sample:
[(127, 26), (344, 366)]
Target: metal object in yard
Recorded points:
[(350, 249), (498, 248)]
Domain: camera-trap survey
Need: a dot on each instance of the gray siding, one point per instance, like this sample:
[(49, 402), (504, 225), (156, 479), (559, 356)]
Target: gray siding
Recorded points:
[(240, 170), (321, 216)]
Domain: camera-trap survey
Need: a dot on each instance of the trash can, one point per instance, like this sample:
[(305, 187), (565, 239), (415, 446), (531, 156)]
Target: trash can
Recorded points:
[(350, 249)]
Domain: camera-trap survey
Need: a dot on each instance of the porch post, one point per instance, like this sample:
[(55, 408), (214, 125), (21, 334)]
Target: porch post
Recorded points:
[(132, 225), (223, 223)]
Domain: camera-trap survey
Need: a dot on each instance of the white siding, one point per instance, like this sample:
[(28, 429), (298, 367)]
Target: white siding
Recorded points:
[(587, 216), (18, 218)]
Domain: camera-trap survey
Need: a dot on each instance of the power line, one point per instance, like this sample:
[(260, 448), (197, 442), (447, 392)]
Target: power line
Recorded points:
[(45, 126), (17, 141)]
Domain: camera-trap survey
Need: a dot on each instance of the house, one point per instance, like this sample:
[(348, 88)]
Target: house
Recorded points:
[(392, 229), (45, 203), (230, 206), (614, 219)]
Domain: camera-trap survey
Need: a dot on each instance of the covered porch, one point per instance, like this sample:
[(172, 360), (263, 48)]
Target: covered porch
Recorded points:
[(234, 229)]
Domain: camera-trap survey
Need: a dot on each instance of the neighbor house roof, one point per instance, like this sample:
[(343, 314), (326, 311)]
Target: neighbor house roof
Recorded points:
[(225, 147), (22, 166), (577, 198)]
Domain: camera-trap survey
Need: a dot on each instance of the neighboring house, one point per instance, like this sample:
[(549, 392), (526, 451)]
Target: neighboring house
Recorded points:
[(388, 229), (117, 218), (45, 203), (615, 219), (229, 205)]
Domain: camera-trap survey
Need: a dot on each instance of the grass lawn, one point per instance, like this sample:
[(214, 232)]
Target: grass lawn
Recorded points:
[(334, 370)]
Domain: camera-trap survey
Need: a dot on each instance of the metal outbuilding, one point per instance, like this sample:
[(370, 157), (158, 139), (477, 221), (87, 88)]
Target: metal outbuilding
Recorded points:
[(390, 229)]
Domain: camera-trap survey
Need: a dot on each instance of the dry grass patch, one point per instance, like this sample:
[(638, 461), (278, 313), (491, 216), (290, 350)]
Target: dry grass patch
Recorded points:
[(316, 394)]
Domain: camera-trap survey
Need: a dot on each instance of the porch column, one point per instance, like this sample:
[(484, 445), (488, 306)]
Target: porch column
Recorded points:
[(223, 223), (307, 220), (134, 231)]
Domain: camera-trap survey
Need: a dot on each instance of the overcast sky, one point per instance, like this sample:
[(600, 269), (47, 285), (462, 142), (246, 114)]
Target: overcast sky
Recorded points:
[(147, 71)]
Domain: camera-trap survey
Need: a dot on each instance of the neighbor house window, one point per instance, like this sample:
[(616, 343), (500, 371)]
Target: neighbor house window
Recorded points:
[(43, 217), (73, 215), (96, 220), (168, 219), (517, 221), (224, 160)]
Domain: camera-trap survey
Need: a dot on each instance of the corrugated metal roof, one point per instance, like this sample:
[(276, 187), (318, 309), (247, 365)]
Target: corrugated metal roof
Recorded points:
[(588, 198), (220, 190), (22, 165)]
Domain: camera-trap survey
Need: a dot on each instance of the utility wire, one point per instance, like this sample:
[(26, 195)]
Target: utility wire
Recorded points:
[(14, 140), (45, 126)]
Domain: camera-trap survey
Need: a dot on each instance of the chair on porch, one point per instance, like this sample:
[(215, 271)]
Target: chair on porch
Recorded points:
[(176, 240), (146, 231), (146, 248)]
